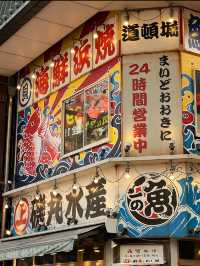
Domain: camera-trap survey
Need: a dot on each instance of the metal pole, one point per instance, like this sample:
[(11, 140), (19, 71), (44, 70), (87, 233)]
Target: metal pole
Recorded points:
[(6, 169)]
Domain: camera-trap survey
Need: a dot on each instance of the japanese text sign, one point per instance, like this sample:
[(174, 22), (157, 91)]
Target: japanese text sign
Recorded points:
[(81, 57), (141, 254), (74, 59), (152, 116), (105, 42), (42, 82), (150, 30), (64, 208), (61, 70)]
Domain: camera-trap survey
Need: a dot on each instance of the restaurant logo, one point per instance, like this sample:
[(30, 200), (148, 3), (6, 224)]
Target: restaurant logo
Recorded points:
[(25, 92), (152, 199), (21, 216)]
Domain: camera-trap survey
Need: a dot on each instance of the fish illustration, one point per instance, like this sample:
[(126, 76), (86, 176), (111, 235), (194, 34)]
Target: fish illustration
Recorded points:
[(49, 144), (187, 99), (30, 152)]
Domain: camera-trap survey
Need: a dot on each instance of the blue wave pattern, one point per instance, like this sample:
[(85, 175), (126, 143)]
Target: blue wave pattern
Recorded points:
[(189, 134), (92, 155), (182, 224)]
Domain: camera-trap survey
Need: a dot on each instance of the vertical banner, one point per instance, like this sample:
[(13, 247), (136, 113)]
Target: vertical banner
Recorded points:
[(191, 31), (152, 103), (150, 30)]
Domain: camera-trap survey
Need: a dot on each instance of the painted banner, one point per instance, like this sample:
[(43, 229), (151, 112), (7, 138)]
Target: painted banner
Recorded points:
[(152, 103), (40, 127), (191, 31), (160, 203), (150, 31), (68, 207), (154, 202), (88, 47), (190, 102)]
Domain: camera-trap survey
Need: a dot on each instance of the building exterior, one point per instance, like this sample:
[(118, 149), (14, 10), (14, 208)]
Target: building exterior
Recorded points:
[(107, 145)]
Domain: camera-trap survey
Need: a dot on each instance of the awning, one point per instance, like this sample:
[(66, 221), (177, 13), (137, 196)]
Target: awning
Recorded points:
[(40, 245)]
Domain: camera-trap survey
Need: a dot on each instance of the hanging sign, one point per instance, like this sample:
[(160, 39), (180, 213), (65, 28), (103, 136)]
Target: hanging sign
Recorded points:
[(152, 117), (66, 207), (141, 254), (21, 216), (150, 30)]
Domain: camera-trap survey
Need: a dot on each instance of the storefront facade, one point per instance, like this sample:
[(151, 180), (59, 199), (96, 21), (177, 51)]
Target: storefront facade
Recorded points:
[(107, 145)]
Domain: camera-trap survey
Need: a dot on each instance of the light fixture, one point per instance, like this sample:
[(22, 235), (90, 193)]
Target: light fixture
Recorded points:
[(37, 196), (6, 206), (96, 177), (172, 177), (81, 250), (127, 171), (95, 35), (18, 87), (172, 147), (55, 189), (171, 14), (75, 187), (52, 64), (72, 51), (21, 201), (96, 249), (8, 232), (127, 147), (126, 18), (33, 76)]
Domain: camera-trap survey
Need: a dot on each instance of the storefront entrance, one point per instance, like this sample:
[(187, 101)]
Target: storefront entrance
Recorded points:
[(189, 253)]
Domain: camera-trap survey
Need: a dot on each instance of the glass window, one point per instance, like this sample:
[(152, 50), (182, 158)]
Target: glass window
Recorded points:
[(86, 118), (96, 110), (46, 259), (24, 262), (73, 123)]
